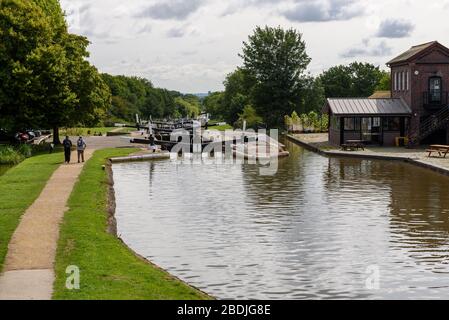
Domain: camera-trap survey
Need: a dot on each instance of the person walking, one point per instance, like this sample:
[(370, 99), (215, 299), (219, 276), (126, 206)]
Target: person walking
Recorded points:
[(153, 143), (80, 147), (67, 149)]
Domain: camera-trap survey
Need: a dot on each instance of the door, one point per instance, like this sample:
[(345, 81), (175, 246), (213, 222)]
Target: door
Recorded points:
[(372, 130)]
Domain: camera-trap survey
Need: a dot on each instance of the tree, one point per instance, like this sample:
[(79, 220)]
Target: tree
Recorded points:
[(238, 91), (213, 104), (355, 80), (366, 78), (277, 59), (385, 82), (249, 115), (45, 79), (313, 95)]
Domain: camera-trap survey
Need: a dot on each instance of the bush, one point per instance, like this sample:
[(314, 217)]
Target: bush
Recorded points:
[(9, 155), (16, 154), (309, 123)]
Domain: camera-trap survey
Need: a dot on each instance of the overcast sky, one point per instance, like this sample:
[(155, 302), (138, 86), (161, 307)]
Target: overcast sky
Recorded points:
[(190, 45)]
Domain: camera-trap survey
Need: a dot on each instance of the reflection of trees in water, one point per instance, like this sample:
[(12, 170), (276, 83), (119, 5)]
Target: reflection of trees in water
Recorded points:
[(283, 187), (419, 206), (419, 212)]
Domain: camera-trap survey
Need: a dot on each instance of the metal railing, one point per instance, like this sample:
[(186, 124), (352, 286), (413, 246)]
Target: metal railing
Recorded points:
[(434, 123)]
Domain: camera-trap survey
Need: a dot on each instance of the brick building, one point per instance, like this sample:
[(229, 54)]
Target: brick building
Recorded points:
[(417, 109)]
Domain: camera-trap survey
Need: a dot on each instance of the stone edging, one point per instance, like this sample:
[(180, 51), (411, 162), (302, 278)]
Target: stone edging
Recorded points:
[(419, 163), (112, 221)]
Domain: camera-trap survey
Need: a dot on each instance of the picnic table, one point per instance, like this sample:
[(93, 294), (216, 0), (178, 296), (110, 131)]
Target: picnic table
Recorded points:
[(353, 145), (442, 150)]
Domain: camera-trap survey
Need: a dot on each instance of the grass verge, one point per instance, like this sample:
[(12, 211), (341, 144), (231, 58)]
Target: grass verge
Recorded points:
[(109, 270), (19, 188)]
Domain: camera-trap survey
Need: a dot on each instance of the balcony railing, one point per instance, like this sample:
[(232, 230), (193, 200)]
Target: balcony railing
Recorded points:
[(435, 100)]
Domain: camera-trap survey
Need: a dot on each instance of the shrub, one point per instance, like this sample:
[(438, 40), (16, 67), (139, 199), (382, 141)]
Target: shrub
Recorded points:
[(9, 155)]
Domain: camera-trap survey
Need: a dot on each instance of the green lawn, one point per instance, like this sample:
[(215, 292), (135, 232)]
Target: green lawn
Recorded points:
[(108, 269), (19, 188), (221, 128), (84, 131)]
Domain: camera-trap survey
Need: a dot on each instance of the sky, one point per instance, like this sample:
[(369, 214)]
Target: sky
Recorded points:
[(191, 45)]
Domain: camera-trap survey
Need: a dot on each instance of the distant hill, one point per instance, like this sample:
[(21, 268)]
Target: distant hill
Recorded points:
[(201, 95)]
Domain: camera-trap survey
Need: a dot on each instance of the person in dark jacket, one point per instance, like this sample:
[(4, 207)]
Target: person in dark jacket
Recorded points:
[(67, 149)]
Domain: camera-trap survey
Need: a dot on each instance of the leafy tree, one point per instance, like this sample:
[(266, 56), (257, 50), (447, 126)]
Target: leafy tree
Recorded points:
[(186, 108), (355, 80), (366, 78), (249, 115), (213, 104), (385, 82), (238, 88), (337, 82), (277, 59), (313, 95), (45, 79)]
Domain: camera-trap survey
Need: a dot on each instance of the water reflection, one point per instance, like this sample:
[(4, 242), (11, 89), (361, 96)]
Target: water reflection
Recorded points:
[(311, 231)]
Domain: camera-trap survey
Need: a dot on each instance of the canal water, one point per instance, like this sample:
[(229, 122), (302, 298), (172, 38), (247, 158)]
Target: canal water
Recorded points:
[(319, 229)]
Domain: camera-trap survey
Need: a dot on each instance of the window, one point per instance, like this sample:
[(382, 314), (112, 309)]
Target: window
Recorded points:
[(392, 124), (352, 124), (395, 81), (400, 81), (403, 81), (407, 81), (435, 90), (395, 76)]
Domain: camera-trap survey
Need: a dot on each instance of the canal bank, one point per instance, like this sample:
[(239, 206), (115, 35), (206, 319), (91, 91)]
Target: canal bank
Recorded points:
[(418, 157), (109, 269)]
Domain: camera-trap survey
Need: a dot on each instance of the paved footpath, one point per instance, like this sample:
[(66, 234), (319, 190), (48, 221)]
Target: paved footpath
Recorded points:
[(28, 273)]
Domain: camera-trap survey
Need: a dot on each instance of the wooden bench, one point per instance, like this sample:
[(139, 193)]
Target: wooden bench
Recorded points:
[(353, 145), (442, 150)]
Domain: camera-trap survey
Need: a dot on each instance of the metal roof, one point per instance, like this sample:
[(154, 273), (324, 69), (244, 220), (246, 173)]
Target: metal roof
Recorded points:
[(364, 106), (412, 52)]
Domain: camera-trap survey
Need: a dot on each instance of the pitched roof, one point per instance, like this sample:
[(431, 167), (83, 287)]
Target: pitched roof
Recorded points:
[(381, 95), (368, 107), (413, 51)]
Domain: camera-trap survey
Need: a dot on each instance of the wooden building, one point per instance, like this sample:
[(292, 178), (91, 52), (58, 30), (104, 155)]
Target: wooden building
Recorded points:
[(418, 108)]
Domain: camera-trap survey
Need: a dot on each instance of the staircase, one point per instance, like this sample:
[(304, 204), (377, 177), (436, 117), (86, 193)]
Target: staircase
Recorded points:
[(435, 122)]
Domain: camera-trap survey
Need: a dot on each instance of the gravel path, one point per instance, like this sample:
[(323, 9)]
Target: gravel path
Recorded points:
[(28, 272)]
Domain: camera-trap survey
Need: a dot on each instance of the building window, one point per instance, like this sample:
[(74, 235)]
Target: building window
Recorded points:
[(407, 81), (352, 124), (435, 90), (392, 124), (395, 81), (400, 81)]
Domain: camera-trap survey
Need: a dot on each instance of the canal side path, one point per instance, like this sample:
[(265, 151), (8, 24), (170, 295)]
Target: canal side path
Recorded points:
[(32, 267), (319, 143), (28, 270)]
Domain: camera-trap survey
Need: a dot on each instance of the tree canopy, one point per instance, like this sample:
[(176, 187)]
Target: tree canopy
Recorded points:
[(134, 95), (45, 79), (354, 80), (277, 59)]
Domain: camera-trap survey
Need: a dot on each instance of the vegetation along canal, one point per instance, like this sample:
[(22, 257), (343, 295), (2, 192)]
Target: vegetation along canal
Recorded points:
[(320, 228), (4, 168)]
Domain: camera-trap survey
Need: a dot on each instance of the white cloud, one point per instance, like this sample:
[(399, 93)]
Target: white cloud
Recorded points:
[(192, 45)]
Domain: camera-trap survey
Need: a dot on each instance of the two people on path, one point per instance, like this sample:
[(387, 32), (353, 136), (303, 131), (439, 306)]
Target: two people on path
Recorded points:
[(80, 147)]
